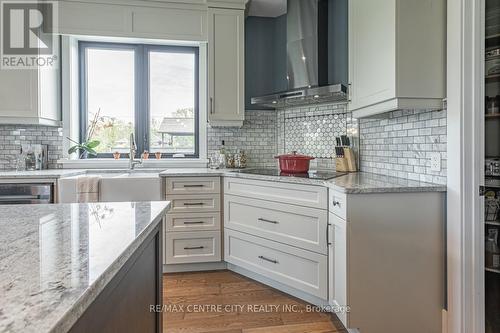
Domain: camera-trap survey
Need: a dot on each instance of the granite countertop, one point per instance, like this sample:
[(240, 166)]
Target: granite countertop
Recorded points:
[(53, 174), (352, 183), (363, 182), (41, 174), (56, 259), (359, 182)]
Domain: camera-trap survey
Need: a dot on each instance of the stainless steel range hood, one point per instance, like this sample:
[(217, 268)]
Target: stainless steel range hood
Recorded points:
[(307, 58)]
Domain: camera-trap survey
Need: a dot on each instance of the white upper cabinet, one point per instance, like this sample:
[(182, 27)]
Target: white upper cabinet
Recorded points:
[(397, 51), (30, 96), (170, 21), (226, 67)]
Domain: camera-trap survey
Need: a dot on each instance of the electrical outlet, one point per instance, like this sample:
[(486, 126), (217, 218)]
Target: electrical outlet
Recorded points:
[(436, 162)]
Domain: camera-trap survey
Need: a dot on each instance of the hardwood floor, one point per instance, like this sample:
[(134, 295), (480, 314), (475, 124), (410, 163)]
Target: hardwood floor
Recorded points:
[(226, 302)]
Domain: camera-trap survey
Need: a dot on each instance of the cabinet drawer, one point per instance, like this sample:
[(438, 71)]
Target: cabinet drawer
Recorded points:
[(193, 222), (293, 225), (194, 203), (303, 270), (191, 185), (337, 203), (192, 247), (296, 194)]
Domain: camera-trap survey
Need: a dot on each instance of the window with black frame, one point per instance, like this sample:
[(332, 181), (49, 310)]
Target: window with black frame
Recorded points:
[(148, 90)]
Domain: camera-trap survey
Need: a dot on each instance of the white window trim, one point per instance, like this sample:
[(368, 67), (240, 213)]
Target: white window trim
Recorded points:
[(70, 108)]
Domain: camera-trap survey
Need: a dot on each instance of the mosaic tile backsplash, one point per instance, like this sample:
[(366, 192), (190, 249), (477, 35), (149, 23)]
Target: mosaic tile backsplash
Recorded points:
[(257, 137), (399, 144), (311, 130), (13, 136), (314, 135)]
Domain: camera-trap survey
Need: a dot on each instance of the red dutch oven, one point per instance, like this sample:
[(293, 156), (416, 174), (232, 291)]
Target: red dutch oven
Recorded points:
[(294, 163)]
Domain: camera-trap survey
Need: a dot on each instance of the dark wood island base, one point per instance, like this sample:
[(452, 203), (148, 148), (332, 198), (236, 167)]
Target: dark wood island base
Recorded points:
[(126, 303)]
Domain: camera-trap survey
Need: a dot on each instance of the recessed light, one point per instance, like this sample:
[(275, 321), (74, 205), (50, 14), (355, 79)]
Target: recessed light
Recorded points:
[(274, 102), (316, 96)]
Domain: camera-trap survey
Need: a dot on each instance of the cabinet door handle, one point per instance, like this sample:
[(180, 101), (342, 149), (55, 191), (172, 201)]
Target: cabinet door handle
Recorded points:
[(269, 260), (328, 234), (193, 185), (194, 247), (194, 222), (336, 203), (268, 221), (193, 204), (212, 111)]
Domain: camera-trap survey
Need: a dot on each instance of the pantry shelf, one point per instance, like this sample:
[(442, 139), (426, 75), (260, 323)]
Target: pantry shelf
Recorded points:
[(493, 222), (492, 78), (492, 270)]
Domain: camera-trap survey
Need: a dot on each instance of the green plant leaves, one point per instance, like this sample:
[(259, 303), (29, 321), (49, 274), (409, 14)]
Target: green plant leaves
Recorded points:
[(85, 147), (91, 151), (92, 144), (73, 149)]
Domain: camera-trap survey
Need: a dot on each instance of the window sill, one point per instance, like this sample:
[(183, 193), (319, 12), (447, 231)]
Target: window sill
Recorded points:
[(109, 163)]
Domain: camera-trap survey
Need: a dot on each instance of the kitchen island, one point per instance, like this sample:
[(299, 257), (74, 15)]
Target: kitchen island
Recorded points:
[(81, 267)]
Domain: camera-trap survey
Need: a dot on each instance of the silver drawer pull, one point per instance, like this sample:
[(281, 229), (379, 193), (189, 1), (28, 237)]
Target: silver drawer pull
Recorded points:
[(194, 247), (336, 203), (267, 259), (193, 204), (194, 222), (194, 185), (268, 221)]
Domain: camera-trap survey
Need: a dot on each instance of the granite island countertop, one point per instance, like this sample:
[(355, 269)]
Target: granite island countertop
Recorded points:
[(56, 259), (351, 183)]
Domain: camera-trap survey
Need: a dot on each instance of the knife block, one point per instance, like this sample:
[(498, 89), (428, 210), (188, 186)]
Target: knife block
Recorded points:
[(346, 163)]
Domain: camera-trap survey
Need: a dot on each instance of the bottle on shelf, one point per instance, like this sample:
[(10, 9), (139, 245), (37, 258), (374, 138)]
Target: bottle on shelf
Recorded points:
[(492, 255), (222, 155)]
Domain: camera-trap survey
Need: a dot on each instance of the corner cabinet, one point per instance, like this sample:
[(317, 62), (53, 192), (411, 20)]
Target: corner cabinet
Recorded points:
[(226, 39), (393, 65)]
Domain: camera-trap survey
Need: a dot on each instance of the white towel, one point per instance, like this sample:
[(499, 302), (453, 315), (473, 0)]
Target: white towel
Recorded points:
[(87, 188)]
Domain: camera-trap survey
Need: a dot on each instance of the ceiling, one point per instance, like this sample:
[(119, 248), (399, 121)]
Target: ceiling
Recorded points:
[(267, 8)]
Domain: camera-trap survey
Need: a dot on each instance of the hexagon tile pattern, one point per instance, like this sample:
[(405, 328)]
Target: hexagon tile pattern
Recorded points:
[(314, 135)]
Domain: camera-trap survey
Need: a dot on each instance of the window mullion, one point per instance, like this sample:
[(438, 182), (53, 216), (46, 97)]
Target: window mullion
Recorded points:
[(140, 131)]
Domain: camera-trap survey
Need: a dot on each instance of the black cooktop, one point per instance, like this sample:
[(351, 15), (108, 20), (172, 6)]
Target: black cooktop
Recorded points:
[(320, 175)]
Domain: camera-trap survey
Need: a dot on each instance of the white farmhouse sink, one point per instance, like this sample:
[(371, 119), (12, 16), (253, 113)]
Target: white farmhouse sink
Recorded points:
[(132, 186), (117, 185), (136, 175)]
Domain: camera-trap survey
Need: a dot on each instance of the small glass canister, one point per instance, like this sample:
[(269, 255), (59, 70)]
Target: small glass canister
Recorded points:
[(240, 159), (230, 160)]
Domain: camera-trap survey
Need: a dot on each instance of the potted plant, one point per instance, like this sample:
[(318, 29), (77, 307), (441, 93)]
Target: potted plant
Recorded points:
[(87, 147)]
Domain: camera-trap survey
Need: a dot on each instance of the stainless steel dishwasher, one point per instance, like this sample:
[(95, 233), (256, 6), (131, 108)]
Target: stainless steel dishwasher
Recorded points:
[(11, 194)]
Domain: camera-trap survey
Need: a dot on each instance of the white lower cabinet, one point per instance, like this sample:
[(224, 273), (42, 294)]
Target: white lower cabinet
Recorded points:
[(297, 268), (279, 231), (295, 225), (193, 246), (337, 289), (195, 203), (193, 224)]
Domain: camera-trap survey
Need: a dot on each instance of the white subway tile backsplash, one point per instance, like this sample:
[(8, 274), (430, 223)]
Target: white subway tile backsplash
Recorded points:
[(410, 137), (13, 136)]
